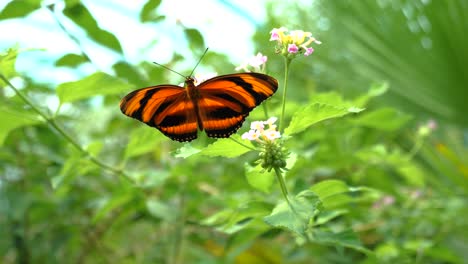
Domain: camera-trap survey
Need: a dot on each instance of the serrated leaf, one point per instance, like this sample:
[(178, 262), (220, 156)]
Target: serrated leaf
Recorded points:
[(227, 147), (386, 119), (71, 60), (259, 180), (96, 84), (313, 114), (7, 63), (79, 14), (13, 117), (195, 39), (19, 8), (297, 215), (148, 12), (142, 140)]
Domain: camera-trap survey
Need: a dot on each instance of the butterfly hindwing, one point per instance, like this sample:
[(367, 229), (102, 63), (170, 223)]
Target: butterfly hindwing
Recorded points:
[(165, 107), (225, 101)]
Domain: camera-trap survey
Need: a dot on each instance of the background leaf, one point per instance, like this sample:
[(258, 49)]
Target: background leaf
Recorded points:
[(142, 140), (13, 118), (71, 60), (20, 8), (195, 39), (258, 178), (148, 13), (227, 147), (7, 63), (79, 14), (312, 114), (386, 119), (98, 83)]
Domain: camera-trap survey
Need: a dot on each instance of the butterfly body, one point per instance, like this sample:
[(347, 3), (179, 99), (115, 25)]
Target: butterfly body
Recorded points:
[(218, 105)]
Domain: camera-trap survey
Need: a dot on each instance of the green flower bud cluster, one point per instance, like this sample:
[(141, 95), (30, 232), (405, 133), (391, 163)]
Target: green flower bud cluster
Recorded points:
[(273, 155)]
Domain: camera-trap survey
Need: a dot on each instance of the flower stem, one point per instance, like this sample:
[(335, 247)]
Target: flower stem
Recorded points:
[(284, 190), (287, 62), (69, 138), (242, 144)]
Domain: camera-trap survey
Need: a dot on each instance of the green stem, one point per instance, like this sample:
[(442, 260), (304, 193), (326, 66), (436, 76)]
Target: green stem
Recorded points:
[(287, 62), (56, 126), (242, 144), (284, 190)]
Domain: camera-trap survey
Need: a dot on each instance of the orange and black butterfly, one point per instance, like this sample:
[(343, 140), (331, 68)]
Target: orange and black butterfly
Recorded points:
[(218, 105)]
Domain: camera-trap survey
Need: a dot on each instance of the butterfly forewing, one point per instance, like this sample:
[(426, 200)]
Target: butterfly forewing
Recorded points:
[(225, 101), (165, 107)]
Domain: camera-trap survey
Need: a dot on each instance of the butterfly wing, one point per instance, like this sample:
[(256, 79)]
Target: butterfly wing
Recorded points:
[(165, 107), (225, 101)]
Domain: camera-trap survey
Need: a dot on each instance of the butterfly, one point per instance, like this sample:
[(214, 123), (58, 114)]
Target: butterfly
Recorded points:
[(218, 105)]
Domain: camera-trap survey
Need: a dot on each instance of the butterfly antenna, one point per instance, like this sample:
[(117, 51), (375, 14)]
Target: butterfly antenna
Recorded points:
[(203, 55), (169, 69)]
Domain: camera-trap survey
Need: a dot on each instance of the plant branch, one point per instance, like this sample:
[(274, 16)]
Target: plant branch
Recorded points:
[(62, 132)]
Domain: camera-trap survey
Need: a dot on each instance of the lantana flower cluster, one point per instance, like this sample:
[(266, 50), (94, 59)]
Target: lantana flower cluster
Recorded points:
[(294, 42), (256, 64), (272, 154)]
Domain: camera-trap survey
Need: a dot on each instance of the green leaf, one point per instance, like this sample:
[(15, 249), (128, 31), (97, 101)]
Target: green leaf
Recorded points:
[(258, 178), (328, 215), (376, 89), (386, 119), (297, 215), (227, 147), (142, 141), (79, 14), (194, 38), (346, 238), (332, 193), (329, 188), (128, 72), (94, 148), (313, 114), (7, 63), (96, 84), (241, 217), (19, 8), (71, 60), (13, 117), (186, 151), (148, 13)]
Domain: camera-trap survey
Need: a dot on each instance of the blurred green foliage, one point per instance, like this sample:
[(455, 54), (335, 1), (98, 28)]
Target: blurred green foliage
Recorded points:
[(82, 183)]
